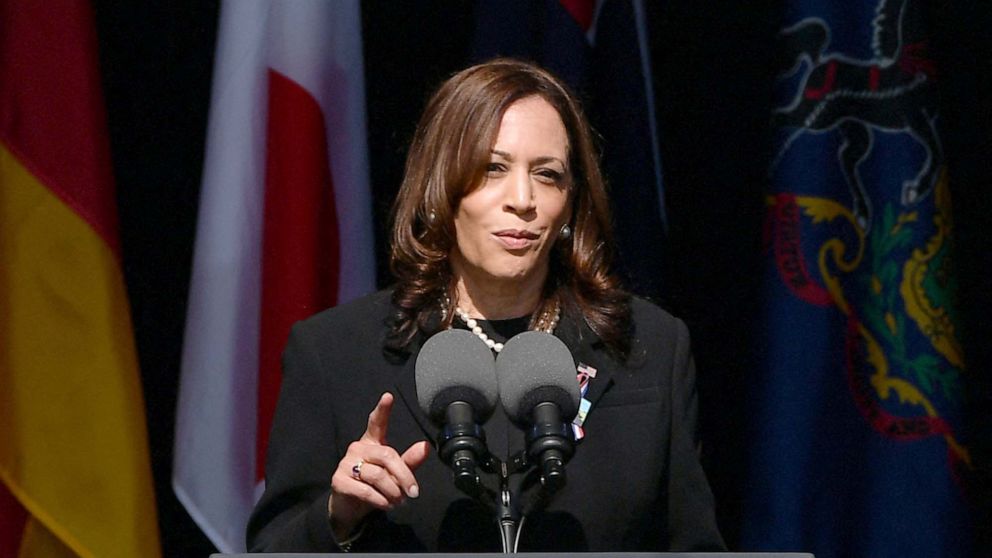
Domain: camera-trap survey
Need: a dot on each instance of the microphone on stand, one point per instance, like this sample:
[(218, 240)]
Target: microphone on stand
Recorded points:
[(538, 389), (457, 389)]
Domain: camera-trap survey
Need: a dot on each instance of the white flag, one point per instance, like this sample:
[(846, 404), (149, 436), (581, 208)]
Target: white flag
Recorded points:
[(284, 230)]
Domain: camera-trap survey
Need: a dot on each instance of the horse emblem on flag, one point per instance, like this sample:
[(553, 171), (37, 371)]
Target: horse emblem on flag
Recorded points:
[(866, 229), (892, 91)]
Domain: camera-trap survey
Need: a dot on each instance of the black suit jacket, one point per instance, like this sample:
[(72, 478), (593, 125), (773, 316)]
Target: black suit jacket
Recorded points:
[(634, 483)]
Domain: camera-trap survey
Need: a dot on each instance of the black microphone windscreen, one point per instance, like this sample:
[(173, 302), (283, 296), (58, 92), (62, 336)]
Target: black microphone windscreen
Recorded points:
[(536, 367), (454, 365)]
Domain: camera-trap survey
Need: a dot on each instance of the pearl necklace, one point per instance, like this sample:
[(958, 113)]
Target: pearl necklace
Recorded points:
[(546, 323)]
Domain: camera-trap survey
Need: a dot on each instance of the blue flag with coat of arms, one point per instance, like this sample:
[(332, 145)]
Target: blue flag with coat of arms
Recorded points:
[(857, 436)]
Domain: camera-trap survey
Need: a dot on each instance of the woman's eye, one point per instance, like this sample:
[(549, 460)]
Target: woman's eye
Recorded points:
[(495, 168), (549, 176)]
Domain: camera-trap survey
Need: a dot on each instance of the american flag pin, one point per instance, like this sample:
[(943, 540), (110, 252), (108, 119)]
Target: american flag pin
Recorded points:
[(586, 369)]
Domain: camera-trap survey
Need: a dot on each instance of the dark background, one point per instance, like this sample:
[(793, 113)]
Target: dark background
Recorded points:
[(713, 77)]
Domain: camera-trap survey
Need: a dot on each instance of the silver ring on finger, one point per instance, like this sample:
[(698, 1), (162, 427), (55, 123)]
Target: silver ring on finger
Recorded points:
[(356, 470)]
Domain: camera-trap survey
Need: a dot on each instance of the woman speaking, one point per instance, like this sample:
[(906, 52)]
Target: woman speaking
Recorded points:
[(501, 225)]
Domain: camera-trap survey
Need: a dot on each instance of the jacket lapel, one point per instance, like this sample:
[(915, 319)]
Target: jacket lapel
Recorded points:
[(405, 382), (587, 348)]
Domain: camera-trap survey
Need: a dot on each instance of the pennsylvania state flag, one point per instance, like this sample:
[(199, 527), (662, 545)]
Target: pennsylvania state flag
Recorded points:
[(857, 433)]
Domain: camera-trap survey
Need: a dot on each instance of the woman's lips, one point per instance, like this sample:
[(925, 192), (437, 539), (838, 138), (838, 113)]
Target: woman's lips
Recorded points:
[(516, 239)]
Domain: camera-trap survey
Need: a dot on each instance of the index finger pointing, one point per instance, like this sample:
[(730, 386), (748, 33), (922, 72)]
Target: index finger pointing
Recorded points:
[(379, 420)]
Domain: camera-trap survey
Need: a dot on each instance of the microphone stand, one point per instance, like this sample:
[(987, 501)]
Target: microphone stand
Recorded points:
[(500, 502), (457, 442), (507, 513)]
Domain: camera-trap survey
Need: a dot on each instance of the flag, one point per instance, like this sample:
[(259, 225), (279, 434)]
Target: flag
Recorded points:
[(284, 230), (857, 437), (601, 50), (75, 477)]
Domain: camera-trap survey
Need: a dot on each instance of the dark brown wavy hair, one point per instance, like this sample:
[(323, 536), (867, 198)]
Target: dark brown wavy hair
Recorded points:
[(447, 159)]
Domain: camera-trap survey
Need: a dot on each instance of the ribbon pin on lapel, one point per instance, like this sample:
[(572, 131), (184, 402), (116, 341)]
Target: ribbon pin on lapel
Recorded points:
[(584, 374)]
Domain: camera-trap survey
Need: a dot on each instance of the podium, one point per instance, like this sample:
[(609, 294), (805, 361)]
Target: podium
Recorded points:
[(536, 555)]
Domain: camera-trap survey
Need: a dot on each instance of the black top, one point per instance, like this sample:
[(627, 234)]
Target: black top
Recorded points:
[(499, 330), (634, 483)]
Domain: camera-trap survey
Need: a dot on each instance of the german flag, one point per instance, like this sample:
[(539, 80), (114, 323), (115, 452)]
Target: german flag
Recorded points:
[(75, 478)]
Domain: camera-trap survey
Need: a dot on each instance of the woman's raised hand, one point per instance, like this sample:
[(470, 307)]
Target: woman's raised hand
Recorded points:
[(373, 475)]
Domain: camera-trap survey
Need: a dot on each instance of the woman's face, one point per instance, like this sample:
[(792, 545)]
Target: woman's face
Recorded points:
[(506, 227)]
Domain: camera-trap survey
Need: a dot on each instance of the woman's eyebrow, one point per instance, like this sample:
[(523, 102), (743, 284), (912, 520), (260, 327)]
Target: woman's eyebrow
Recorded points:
[(538, 161), (548, 159)]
